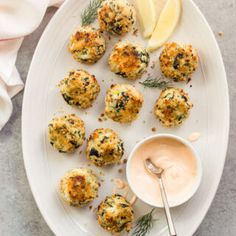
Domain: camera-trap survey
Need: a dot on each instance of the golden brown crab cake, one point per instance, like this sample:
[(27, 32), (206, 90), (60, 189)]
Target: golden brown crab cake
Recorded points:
[(178, 61), (116, 16), (172, 107), (78, 187), (123, 103), (66, 133), (79, 88), (129, 60), (104, 147), (115, 214), (87, 45)]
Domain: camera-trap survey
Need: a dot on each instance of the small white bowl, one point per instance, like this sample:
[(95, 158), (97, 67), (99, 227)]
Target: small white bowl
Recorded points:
[(194, 187)]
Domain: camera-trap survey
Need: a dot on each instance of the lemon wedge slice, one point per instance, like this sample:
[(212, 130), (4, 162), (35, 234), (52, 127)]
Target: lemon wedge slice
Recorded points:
[(146, 15), (166, 24)]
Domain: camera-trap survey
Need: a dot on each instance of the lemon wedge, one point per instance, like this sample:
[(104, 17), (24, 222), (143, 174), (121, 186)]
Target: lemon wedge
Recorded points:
[(166, 24), (147, 16)]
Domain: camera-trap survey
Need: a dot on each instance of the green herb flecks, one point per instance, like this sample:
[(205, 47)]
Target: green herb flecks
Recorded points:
[(144, 224), (89, 15), (156, 83)]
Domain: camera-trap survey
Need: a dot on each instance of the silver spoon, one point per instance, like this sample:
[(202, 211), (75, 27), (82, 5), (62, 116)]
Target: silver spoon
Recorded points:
[(158, 171)]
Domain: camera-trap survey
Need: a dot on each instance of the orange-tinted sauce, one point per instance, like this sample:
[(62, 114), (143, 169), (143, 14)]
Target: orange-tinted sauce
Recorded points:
[(178, 162)]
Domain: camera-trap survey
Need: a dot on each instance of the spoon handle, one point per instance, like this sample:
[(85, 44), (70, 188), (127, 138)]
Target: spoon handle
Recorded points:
[(167, 209)]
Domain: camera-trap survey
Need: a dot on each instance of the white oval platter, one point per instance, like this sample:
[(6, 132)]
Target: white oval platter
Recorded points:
[(42, 101)]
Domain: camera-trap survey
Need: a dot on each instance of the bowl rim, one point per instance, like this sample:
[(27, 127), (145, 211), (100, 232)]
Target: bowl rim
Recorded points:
[(195, 154)]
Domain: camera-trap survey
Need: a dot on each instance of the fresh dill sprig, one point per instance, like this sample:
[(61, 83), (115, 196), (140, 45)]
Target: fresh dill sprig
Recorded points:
[(144, 224), (89, 15), (156, 83)]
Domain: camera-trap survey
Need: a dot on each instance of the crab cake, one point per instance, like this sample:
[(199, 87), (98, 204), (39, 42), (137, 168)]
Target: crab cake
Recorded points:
[(104, 147), (123, 103), (129, 60), (178, 61), (172, 107), (87, 45), (116, 16), (79, 88), (66, 133), (79, 187), (115, 214)]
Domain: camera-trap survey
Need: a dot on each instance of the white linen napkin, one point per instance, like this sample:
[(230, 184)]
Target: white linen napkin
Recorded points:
[(17, 19)]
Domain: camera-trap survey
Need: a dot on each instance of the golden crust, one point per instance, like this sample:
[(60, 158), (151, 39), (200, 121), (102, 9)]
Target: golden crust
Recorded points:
[(79, 187), (177, 61), (115, 214), (129, 60), (66, 133), (116, 16), (172, 107), (79, 88), (123, 103), (104, 147), (87, 45)]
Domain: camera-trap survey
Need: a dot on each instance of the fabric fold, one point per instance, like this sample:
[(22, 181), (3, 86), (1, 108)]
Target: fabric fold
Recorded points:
[(18, 18)]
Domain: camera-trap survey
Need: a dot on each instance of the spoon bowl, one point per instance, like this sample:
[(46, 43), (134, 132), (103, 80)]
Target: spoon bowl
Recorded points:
[(153, 169)]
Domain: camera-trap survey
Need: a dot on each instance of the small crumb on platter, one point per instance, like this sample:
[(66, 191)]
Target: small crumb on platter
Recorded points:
[(154, 129), (135, 32)]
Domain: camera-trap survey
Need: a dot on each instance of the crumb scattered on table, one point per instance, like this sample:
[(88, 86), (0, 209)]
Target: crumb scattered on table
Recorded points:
[(220, 33)]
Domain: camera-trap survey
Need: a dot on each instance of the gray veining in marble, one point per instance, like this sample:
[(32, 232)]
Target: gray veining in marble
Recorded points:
[(19, 214)]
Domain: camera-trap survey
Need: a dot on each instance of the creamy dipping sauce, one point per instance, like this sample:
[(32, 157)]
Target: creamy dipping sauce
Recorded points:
[(179, 164)]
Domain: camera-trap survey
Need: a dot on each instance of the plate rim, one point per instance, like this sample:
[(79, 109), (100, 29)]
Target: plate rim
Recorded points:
[(50, 25)]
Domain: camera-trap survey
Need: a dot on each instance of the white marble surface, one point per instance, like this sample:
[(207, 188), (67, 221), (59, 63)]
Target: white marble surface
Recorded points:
[(19, 214)]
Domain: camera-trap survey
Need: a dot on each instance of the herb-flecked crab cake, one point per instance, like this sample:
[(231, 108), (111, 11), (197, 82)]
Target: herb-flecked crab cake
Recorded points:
[(115, 214), (79, 88), (66, 133), (123, 103), (87, 45), (116, 16), (129, 60), (78, 187), (172, 107), (178, 61), (104, 147)]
